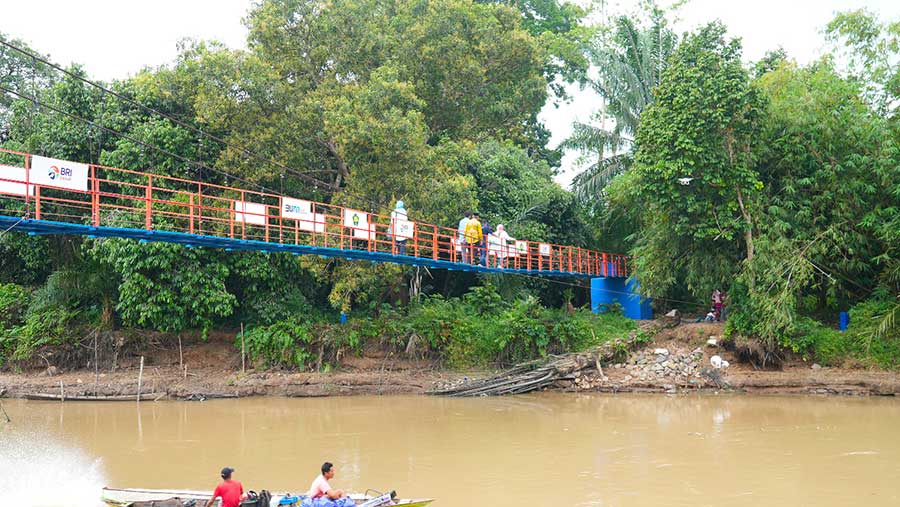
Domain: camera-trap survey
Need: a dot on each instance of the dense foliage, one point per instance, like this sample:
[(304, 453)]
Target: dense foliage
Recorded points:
[(776, 182), (432, 102), (479, 329)]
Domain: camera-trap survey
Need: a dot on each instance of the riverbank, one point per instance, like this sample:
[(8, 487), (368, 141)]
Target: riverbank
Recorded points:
[(214, 370)]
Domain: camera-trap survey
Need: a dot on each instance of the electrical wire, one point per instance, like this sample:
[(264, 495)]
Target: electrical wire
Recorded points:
[(330, 187), (164, 151)]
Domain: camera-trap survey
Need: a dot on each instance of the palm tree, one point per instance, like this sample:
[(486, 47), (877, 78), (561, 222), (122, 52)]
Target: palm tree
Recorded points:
[(630, 60)]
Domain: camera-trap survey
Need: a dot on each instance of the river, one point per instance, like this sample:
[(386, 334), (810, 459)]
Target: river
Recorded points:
[(547, 449)]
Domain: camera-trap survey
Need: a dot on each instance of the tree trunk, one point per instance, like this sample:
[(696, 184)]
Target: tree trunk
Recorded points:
[(343, 171), (748, 234)]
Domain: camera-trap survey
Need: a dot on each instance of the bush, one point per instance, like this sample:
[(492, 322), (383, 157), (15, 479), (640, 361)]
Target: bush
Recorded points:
[(14, 299), (283, 344), (482, 329), (28, 323), (828, 346)]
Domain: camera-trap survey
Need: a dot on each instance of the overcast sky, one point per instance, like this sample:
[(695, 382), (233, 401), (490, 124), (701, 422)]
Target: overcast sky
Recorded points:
[(114, 39)]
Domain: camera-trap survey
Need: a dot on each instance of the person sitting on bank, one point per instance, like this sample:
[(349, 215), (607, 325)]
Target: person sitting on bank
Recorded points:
[(230, 491), (321, 493)]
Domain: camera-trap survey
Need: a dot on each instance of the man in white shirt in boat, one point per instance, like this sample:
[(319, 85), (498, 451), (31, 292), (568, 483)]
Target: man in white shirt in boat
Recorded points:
[(321, 493)]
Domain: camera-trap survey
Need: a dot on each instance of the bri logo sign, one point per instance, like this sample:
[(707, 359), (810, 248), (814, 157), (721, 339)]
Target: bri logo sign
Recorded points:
[(57, 173)]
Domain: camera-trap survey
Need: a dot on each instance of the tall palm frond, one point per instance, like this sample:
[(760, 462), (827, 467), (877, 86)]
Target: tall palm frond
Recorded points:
[(889, 322), (593, 179), (630, 61)]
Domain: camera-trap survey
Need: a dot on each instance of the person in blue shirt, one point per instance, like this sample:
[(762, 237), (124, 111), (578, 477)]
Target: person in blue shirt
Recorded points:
[(482, 247)]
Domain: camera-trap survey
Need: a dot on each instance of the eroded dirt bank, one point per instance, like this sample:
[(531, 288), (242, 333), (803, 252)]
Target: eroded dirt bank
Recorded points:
[(214, 370)]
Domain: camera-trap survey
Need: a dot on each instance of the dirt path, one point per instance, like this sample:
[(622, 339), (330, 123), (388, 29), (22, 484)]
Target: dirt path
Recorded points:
[(213, 369)]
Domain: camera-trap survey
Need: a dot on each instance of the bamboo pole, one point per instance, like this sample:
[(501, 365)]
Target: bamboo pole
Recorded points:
[(62, 392), (96, 367), (180, 353), (4, 412), (140, 379), (243, 353)]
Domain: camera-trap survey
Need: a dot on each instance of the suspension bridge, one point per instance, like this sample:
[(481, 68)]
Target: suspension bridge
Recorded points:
[(41, 195)]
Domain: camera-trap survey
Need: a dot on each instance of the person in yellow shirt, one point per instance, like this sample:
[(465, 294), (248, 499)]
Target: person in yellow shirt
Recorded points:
[(473, 235)]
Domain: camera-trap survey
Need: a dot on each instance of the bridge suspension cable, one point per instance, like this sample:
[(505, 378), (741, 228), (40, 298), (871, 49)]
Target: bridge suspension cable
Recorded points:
[(329, 187), (164, 151)]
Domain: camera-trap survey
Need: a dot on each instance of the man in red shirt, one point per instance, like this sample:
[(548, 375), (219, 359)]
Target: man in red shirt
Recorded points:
[(231, 492)]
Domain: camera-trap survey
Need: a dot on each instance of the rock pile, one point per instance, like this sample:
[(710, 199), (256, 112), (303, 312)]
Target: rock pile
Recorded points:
[(647, 365), (650, 369)]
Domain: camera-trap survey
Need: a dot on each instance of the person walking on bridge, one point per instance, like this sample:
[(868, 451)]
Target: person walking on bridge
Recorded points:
[(461, 236), (485, 232), (504, 239), (398, 214), (473, 236)]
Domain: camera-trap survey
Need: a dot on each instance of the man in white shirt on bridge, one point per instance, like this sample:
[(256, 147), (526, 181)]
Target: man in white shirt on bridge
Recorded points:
[(399, 213), (461, 242)]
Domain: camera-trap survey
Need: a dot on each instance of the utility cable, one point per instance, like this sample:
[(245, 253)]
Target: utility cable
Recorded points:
[(244, 150), (55, 109)]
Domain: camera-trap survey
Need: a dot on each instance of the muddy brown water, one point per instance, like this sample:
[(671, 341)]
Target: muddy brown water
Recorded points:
[(538, 450)]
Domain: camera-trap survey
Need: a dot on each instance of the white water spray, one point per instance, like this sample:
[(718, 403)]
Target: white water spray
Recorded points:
[(40, 471)]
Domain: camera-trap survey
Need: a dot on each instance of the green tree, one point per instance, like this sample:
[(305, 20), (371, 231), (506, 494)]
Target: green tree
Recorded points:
[(693, 182), (21, 74), (165, 286), (630, 60), (872, 51)]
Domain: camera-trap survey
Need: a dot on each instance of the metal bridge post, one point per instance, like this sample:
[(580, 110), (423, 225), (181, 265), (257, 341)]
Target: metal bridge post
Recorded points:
[(266, 218), (434, 243), (148, 199), (27, 183), (200, 208), (95, 197), (243, 216)]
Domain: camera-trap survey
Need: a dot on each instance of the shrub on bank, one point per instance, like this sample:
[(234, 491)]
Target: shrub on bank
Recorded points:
[(858, 345), (480, 329), (286, 343), (29, 322)]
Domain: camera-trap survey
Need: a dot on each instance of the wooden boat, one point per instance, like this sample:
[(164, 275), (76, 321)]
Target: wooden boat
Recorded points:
[(125, 496), (117, 397)]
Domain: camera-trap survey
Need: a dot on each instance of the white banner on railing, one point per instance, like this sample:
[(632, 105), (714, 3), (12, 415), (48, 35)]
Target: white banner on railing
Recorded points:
[(316, 223), (520, 249), (302, 212), (359, 222), (250, 212), (53, 172), (8, 172), (297, 209), (404, 228), (544, 249)]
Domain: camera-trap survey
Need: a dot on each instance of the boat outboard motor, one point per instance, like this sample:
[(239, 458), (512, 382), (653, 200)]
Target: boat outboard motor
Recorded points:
[(385, 499)]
